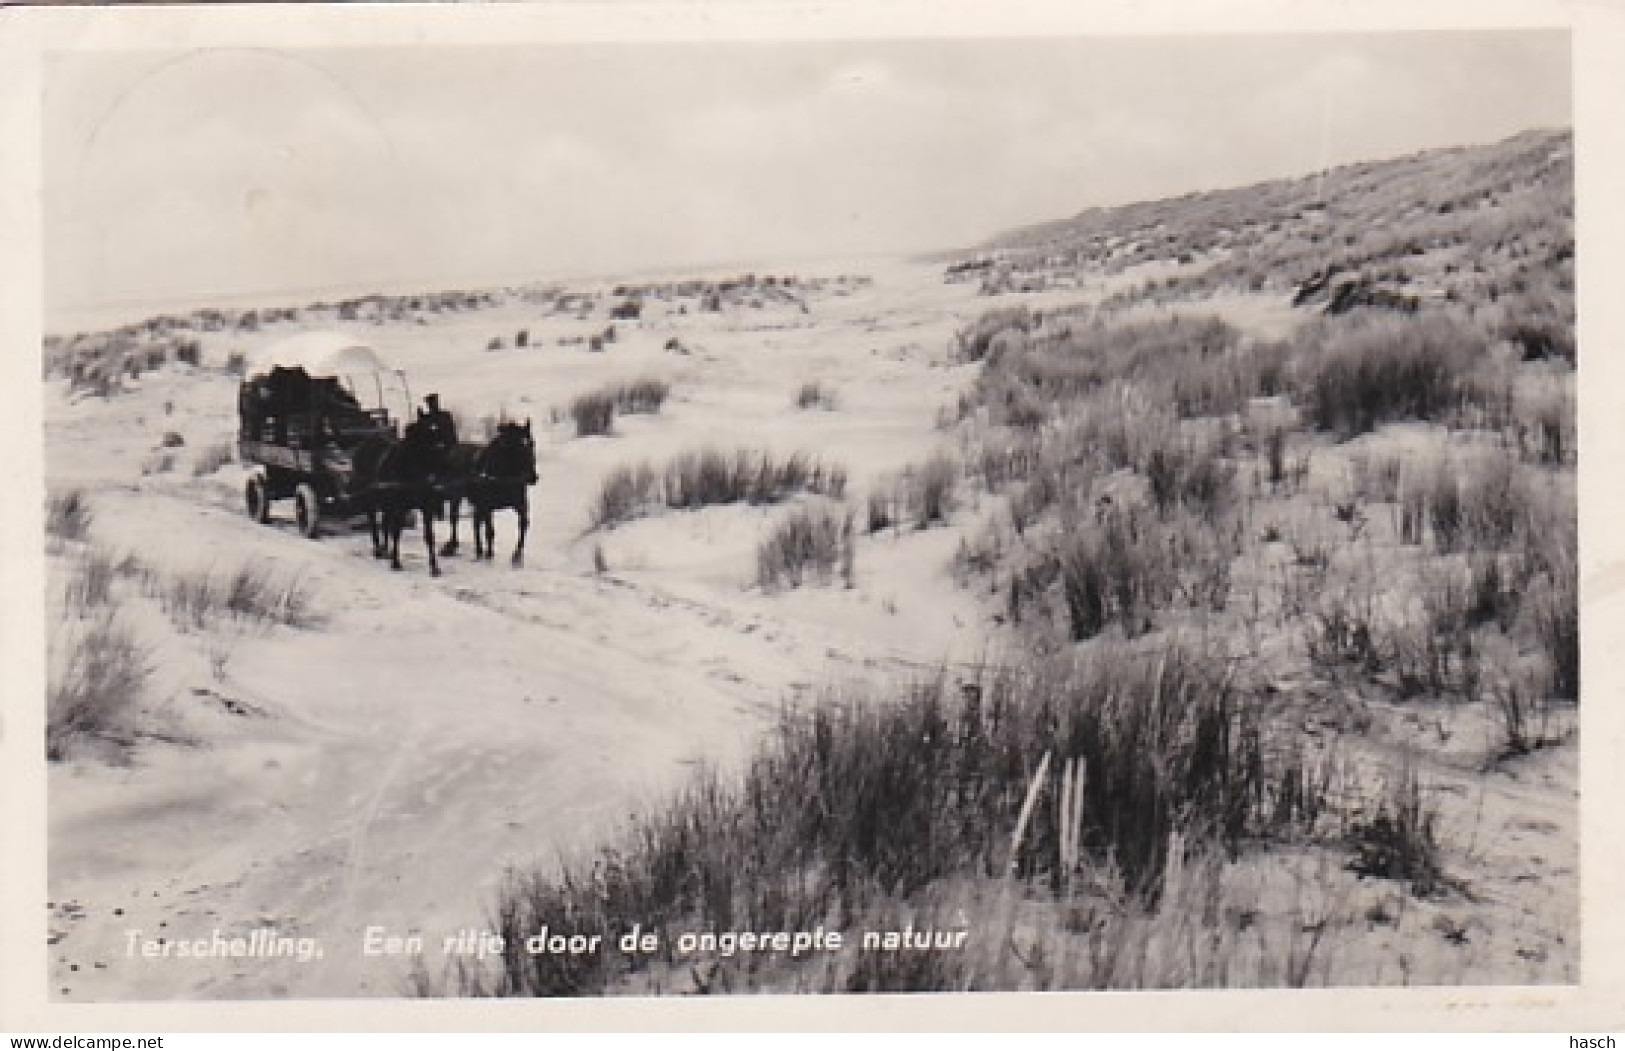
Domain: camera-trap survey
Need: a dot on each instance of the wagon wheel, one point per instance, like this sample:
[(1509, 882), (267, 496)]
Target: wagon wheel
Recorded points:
[(259, 503), (307, 511)]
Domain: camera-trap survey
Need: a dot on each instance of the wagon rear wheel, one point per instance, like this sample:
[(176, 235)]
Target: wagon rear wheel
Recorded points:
[(307, 511), (258, 502)]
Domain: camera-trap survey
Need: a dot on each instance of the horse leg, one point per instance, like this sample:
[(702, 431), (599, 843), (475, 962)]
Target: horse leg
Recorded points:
[(491, 532), (523, 508), (396, 524), (456, 506), (429, 511), (378, 538)]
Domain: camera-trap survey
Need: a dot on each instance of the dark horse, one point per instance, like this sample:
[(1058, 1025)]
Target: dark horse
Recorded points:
[(494, 477), (394, 477)]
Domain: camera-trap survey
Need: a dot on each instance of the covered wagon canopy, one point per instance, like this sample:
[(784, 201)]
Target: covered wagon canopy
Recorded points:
[(326, 354), (336, 376)]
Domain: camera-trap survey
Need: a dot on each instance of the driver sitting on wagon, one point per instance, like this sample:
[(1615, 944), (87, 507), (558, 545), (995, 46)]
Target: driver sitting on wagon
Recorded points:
[(439, 421)]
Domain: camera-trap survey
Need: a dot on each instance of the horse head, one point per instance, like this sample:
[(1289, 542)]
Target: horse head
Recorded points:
[(511, 453)]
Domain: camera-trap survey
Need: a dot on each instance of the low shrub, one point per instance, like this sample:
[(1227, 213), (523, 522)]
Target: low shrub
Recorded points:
[(1540, 328), (1399, 841), (196, 599), (931, 489), (1377, 477), (256, 594), (644, 395), (158, 463), (1546, 427), (1365, 371), (974, 342), (814, 395), (881, 510), (1126, 569), (1188, 472), (1485, 502), (1552, 603), (809, 544), (96, 681), (625, 493), (708, 477), (90, 587), (1523, 705), (68, 515), (593, 413)]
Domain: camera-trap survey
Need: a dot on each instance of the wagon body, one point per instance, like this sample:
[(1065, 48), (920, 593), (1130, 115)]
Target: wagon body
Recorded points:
[(305, 407)]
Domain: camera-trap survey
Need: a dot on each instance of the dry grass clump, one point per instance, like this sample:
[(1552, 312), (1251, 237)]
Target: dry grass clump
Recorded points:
[(624, 494), (1525, 711), (1369, 370), (815, 395), (1190, 473), (1399, 841), (1480, 500), (974, 342), (249, 594), (809, 544), (931, 490), (1376, 477), (68, 515), (1124, 568), (1546, 428), (1552, 606), (1493, 506), (922, 495), (98, 672), (881, 508), (593, 413), (1226, 372), (1541, 327), (711, 476), (90, 588), (862, 808), (643, 395), (1201, 366)]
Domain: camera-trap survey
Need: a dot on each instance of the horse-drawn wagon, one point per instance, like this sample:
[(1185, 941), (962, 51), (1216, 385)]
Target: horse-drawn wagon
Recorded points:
[(307, 406), (314, 422)]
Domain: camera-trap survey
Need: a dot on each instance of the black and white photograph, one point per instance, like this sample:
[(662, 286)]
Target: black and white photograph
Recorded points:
[(873, 513)]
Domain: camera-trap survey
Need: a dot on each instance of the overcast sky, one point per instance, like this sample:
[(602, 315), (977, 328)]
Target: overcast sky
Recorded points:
[(186, 175)]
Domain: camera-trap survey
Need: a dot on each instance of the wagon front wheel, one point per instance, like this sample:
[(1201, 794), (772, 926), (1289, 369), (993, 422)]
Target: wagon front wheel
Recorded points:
[(307, 511), (259, 504)]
